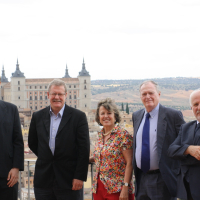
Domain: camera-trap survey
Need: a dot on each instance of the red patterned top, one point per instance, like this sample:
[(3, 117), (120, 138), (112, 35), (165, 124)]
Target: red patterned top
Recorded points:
[(110, 162)]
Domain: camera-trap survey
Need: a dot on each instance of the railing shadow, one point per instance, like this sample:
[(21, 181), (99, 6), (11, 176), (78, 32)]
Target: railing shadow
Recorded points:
[(28, 161)]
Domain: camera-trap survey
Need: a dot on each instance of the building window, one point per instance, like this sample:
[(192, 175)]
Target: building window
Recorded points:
[(40, 87), (84, 81), (40, 92), (69, 86), (85, 87), (35, 107), (35, 87), (35, 97), (85, 105), (31, 107), (75, 106), (40, 106), (40, 97), (74, 96), (70, 96), (45, 87), (18, 82), (85, 96), (74, 86), (18, 97), (45, 97), (30, 92), (30, 87), (74, 101), (30, 97), (18, 88), (35, 92)]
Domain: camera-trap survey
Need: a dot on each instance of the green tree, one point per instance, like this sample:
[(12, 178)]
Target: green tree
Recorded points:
[(122, 107), (127, 109)]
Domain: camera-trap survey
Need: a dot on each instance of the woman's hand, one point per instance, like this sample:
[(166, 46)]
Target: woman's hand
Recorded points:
[(124, 193), (91, 159)]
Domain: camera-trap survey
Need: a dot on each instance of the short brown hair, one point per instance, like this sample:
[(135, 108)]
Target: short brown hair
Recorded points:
[(109, 105), (57, 82)]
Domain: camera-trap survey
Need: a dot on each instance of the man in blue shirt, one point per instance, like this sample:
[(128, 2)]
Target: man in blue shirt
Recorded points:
[(155, 128), (59, 136)]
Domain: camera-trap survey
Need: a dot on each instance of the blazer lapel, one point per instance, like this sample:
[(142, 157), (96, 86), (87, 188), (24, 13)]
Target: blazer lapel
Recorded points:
[(3, 111), (46, 120), (65, 118), (161, 129)]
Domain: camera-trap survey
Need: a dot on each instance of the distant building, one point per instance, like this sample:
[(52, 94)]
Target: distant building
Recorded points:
[(32, 93)]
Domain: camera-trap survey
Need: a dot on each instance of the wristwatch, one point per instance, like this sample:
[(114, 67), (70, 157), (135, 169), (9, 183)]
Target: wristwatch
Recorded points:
[(126, 184)]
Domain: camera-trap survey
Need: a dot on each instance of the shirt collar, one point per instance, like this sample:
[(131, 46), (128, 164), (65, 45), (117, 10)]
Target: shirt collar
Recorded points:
[(154, 111), (60, 113)]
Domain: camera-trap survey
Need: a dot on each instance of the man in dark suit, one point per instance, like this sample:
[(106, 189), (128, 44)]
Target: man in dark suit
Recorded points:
[(155, 128), (59, 137), (11, 149), (186, 148)]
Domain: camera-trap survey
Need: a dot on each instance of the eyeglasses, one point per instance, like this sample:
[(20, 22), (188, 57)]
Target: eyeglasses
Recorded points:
[(59, 94)]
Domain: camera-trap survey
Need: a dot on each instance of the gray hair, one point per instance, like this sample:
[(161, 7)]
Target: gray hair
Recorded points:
[(197, 90), (57, 82), (150, 81), (109, 105)]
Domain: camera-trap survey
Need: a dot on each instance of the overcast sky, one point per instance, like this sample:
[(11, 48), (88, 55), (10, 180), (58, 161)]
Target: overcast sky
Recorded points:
[(126, 39)]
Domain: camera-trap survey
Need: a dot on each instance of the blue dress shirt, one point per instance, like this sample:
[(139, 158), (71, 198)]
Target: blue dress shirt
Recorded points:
[(153, 121), (55, 122)]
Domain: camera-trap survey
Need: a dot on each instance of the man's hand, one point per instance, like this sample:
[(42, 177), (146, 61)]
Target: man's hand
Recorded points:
[(77, 184), (13, 177), (193, 151)]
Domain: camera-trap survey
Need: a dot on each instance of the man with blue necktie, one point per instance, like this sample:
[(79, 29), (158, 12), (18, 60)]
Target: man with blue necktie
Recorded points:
[(155, 128), (186, 148)]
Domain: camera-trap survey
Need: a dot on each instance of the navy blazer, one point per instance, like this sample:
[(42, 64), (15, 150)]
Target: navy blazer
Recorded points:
[(11, 141), (72, 147), (169, 122), (188, 163)]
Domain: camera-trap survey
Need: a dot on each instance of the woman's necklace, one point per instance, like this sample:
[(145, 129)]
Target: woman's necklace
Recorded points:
[(105, 134)]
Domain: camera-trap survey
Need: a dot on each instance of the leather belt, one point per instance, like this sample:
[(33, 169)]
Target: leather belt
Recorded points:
[(156, 171)]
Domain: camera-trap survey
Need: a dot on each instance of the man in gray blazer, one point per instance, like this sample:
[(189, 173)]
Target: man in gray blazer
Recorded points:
[(155, 128), (186, 148), (11, 150)]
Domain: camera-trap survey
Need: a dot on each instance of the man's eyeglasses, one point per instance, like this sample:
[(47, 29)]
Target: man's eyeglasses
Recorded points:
[(59, 94)]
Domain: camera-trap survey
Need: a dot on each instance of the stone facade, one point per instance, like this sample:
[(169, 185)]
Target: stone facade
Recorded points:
[(32, 93)]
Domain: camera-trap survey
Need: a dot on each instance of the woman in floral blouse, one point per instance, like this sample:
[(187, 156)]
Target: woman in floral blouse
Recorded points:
[(112, 156)]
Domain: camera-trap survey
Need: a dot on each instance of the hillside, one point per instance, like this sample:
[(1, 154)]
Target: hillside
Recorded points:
[(174, 92)]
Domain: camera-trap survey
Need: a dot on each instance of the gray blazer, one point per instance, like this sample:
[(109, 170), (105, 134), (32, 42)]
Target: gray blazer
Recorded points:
[(169, 122), (11, 141), (189, 164)]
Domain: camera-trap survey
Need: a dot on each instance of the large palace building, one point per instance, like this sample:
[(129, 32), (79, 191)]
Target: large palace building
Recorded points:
[(32, 93)]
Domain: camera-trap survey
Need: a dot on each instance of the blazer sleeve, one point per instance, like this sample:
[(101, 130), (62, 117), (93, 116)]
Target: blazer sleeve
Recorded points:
[(18, 144), (176, 149), (32, 137), (83, 145), (178, 121)]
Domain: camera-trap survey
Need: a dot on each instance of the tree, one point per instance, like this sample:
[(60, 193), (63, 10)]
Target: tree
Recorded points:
[(122, 107), (127, 109)]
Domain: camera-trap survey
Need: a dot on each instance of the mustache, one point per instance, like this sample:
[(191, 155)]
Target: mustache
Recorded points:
[(57, 101)]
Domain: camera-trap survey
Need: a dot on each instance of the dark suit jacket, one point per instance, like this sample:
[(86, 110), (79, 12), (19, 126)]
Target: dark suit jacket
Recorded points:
[(189, 164), (11, 141), (169, 122), (71, 155)]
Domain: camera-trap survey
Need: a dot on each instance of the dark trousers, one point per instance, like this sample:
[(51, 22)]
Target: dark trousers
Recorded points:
[(187, 187), (57, 193), (152, 187), (6, 193)]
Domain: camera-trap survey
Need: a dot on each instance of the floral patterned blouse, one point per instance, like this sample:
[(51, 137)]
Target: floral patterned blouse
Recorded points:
[(109, 160)]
